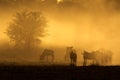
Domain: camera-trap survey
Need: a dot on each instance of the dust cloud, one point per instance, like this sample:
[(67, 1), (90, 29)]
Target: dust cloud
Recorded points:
[(84, 24)]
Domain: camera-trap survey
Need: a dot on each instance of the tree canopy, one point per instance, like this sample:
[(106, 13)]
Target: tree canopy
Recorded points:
[(27, 28)]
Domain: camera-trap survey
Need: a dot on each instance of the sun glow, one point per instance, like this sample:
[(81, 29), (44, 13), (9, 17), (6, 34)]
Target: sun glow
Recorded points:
[(58, 1)]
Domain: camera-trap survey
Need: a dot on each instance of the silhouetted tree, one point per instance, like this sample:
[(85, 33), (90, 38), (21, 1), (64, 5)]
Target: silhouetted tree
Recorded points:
[(27, 27)]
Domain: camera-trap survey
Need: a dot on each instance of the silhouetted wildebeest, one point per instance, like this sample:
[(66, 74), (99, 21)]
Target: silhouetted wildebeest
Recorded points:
[(88, 56), (104, 57), (71, 55), (47, 55), (99, 57), (67, 54)]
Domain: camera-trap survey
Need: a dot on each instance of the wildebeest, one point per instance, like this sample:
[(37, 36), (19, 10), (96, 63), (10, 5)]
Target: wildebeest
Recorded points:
[(99, 57), (105, 57), (47, 55), (71, 55), (67, 54), (88, 56)]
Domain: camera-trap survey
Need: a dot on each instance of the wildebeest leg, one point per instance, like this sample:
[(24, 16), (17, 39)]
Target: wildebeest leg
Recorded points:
[(47, 58), (52, 58), (75, 62), (85, 62), (72, 61), (94, 61)]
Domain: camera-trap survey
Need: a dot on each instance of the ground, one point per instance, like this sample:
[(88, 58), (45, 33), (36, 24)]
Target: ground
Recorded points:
[(59, 72)]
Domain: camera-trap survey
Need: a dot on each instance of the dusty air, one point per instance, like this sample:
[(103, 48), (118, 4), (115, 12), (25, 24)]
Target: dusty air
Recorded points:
[(60, 32)]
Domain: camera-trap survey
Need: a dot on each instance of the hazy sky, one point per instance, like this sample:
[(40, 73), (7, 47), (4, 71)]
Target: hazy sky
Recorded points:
[(85, 24)]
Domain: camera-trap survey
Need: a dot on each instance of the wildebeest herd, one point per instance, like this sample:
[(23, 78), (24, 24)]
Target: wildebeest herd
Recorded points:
[(99, 57)]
